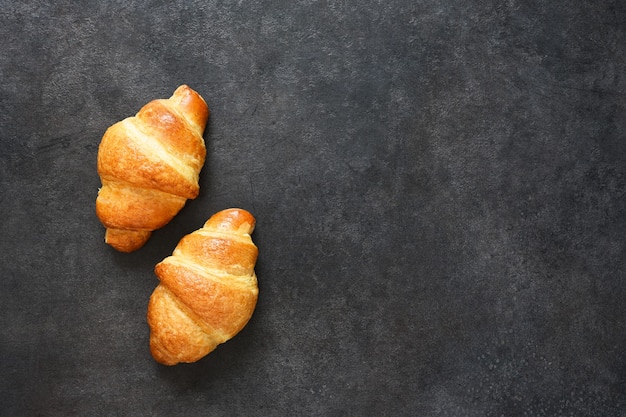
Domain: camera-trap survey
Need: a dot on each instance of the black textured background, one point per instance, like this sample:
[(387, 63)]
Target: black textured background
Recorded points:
[(439, 188)]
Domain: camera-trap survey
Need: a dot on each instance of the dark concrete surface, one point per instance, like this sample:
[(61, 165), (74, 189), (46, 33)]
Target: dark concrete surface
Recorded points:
[(440, 189)]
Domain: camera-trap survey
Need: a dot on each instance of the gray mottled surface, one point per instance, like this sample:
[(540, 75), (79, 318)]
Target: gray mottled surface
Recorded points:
[(440, 189)]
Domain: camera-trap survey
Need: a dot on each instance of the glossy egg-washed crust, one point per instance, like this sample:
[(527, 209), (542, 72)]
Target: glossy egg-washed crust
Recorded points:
[(207, 291), (149, 165)]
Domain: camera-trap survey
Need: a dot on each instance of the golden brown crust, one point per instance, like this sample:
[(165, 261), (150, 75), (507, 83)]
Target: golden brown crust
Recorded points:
[(208, 289), (149, 166)]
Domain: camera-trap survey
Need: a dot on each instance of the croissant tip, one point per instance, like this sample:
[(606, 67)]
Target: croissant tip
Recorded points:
[(126, 240), (195, 105), (182, 87), (236, 219)]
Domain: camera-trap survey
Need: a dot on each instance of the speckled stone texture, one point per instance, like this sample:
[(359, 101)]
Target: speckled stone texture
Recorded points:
[(440, 190)]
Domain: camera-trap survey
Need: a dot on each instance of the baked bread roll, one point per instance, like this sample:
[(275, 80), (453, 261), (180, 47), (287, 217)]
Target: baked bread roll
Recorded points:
[(149, 166), (208, 289)]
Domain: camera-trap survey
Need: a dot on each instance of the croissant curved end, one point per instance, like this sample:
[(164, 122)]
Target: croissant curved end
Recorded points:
[(192, 104), (126, 240), (232, 219)]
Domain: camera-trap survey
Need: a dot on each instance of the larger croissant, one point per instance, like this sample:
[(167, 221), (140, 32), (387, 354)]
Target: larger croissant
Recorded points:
[(149, 166), (208, 289)]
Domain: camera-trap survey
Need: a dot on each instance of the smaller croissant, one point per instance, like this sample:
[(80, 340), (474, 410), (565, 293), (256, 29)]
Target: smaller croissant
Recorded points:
[(208, 289), (149, 165)]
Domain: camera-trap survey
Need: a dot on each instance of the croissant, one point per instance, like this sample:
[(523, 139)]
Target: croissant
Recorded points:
[(208, 289), (149, 166)]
